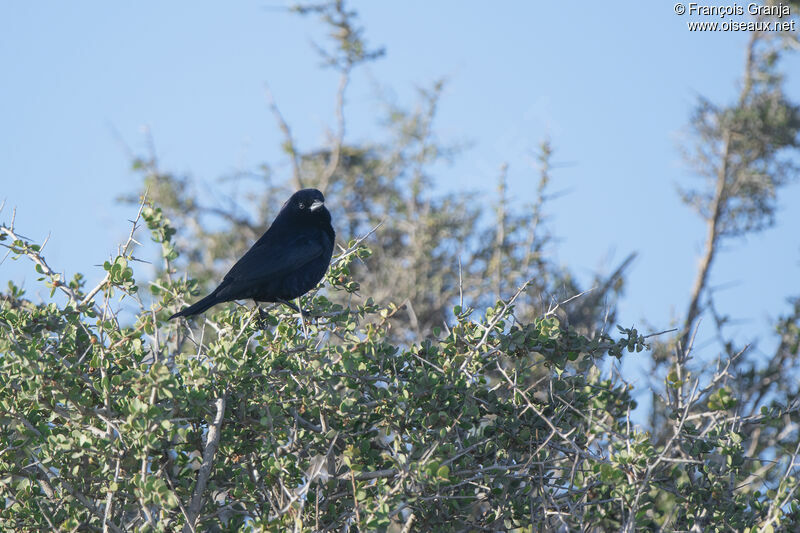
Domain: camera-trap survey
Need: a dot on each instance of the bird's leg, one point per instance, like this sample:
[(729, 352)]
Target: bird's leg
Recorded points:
[(299, 310), (262, 316), (297, 307), (290, 304)]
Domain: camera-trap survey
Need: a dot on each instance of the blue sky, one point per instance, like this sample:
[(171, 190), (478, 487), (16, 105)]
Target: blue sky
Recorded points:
[(612, 86)]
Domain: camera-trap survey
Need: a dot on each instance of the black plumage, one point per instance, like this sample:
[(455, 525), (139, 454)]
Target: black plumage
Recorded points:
[(286, 262)]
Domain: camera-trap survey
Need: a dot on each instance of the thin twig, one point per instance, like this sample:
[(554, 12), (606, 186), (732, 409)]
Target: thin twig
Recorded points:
[(289, 142)]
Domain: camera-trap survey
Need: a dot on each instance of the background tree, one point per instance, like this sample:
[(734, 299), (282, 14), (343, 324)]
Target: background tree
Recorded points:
[(427, 241), (744, 153), (455, 379)]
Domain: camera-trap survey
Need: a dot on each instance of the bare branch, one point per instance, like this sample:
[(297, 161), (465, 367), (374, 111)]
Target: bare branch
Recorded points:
[(212, 443), (289, 143), (338, 139)]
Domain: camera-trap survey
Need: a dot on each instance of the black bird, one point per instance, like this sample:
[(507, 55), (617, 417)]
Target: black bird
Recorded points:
[(285, 263)]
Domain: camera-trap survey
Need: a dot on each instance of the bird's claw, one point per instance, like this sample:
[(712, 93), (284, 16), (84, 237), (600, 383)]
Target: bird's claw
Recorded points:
[(262, 318)]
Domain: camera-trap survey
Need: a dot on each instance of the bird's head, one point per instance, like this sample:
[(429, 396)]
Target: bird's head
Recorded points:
[(306, 204)]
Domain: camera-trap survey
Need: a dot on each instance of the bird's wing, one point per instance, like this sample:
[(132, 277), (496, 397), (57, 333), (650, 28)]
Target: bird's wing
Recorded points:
[(270, 260)]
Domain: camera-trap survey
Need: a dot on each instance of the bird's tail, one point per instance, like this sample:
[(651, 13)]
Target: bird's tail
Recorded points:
[(198, 307)]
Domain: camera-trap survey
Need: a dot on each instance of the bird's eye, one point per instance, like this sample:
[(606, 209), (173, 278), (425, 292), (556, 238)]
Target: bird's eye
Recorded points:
[(301, 205)]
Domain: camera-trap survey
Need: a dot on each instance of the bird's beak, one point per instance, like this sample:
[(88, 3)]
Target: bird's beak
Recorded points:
[(316, 204)]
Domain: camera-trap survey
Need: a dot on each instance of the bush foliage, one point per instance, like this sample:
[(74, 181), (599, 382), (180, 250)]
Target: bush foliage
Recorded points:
[(327, 424)]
